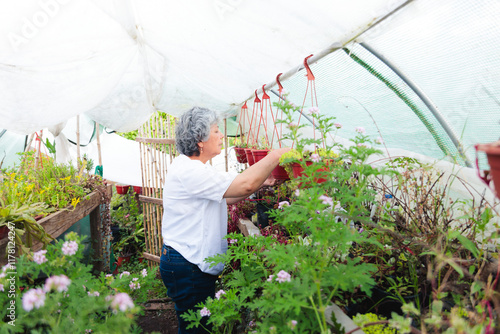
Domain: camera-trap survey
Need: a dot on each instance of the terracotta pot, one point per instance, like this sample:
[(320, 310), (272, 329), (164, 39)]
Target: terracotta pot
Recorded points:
[(241, 155), (248, 152), (122, 189), (259, 154), (298, 171), (279, 173), (138, 190), (492, 151)]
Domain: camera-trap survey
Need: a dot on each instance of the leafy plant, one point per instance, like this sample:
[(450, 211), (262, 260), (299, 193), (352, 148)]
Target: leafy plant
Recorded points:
[(55, 292)]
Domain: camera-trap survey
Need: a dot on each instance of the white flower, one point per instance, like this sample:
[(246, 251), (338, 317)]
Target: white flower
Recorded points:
[(125, 273), (297, 192), (1, 287), (39, 257), (315, 157), (144, 272), (34, 298), (69, 248), (121, 301), (219, 293), (360, 129), (283, 204), (93, 294), (326, 200), (205, 312), (283, 276), (58, 283)]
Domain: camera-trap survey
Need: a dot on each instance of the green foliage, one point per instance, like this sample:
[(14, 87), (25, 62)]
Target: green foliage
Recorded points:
[(82, 301), (126, 213), (371, 324)]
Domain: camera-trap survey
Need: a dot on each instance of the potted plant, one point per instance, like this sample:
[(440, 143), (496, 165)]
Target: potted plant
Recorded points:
[(492, 151), (239, 149)]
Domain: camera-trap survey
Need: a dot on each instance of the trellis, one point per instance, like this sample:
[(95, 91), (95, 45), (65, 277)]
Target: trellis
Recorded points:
[(156, 144)]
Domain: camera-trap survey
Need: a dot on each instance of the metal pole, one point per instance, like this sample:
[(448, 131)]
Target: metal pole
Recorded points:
[(427, 101)]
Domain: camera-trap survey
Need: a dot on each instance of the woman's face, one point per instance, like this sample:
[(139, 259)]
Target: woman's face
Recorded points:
[(213, 145)]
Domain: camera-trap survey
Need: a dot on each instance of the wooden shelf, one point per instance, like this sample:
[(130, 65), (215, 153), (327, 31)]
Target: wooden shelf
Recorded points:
[(58, 222)]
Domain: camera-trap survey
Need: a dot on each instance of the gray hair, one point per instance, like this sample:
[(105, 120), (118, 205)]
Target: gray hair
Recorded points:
[(193, 127)]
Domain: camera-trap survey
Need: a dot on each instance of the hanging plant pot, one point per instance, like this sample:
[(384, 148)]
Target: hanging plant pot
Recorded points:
[(122, 189), (248, 152), (492, 151), (241, 155), (279, 173), (259, 154), (138, 190), (298, 171)]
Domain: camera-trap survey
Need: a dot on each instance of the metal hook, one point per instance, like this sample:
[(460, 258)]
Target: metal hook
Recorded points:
[(310, 75), (264, 94), (257, 100), (280, 89)]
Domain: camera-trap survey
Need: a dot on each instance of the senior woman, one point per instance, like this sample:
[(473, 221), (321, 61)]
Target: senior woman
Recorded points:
[(195, 199)]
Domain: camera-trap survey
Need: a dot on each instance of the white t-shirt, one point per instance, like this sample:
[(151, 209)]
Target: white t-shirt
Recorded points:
[(194, 211)]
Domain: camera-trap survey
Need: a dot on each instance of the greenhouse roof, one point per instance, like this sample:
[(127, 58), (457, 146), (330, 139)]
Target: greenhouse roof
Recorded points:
[(421, 74)]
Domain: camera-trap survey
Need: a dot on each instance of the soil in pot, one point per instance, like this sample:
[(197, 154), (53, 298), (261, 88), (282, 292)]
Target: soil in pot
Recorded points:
[(162, 321)]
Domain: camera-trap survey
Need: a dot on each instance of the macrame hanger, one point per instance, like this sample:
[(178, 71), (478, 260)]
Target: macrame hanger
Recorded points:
[(266, 101), (311, 82), (256, 109), (278, 135)]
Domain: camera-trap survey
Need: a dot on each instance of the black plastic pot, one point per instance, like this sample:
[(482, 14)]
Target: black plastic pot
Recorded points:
[(263, 213)]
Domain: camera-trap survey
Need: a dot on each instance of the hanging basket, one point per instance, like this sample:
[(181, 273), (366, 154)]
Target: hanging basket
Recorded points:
[(279, 173), (122, 189), (241, 155), (259, 154), (298, 171), (248, 152), (492, 151)]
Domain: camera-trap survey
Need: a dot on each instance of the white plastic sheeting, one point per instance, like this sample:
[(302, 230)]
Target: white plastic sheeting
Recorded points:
[(118, 61)]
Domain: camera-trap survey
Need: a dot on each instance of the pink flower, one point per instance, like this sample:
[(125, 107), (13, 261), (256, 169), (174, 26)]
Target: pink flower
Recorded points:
[(125, 273), (58, 283), (314, 111), (69, 248), (1, 287), (39, 257), (93, 294), (219, 293), (121, 301), (283, 276), (205, 312), (270, 278), (315, 157), (144, 272), (292, 125), (283, 204), (360, 129), (134, 285), (297, 192), (337, 125), (34, 298), (326, 200), (232, 241), (379, 140), (362, 145), (293, 324)]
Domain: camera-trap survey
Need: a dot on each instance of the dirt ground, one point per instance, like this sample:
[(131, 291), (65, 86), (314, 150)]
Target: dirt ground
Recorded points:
[(159, 318)]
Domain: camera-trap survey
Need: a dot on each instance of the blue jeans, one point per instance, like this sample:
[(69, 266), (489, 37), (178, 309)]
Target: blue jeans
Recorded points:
[(186, 284)]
